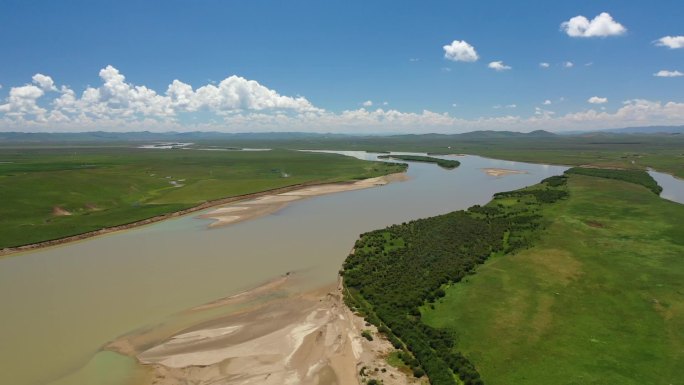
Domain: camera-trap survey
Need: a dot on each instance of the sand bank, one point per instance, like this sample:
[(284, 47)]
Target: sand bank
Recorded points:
[(499, 172), (304, 338), (267, 204)]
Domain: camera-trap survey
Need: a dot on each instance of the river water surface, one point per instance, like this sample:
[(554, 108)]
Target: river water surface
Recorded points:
[(62, 304)]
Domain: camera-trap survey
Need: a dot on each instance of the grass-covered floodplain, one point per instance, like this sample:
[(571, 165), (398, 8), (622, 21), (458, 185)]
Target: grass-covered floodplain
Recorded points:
[(395, 271), (599, 298), (632, 176), (446, 163), (50, 193)]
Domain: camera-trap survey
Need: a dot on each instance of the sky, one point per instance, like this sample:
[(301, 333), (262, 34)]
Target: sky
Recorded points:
[(340, 66)]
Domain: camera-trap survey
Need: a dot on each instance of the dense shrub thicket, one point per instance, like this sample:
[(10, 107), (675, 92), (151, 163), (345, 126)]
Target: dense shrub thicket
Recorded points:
[(639, 177), (394, 271), (446, 163)]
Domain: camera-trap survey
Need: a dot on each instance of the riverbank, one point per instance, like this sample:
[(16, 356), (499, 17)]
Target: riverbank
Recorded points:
[(299, 191), (254, 207)]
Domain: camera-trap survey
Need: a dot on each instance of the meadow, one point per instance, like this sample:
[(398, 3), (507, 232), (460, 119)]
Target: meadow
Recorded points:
[(596, 300), (50, 193)]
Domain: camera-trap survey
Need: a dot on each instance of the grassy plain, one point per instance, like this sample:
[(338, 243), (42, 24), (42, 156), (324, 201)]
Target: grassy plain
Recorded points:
[(599, 298), (662, 152), (50, 193)]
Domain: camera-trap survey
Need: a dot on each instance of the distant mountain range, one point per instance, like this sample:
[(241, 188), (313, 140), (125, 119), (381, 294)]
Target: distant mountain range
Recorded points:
[(635, 130), (146, 136)]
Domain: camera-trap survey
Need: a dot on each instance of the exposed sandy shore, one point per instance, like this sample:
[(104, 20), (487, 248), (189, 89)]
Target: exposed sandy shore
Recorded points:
[(306, 188), (498, 172), (306, 338), (267, 204)]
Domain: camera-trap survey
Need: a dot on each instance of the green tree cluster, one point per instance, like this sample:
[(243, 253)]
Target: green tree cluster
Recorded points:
[(389, 283)]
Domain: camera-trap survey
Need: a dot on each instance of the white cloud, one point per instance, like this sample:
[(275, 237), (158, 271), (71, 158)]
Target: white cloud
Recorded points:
[(668, 74), (385, 103), (44, 82), (414, 59), (568, 64), (498, 66), (602, 25), (546, 102), (117, 99), (544, 65), (498, 106), (22, 103), (460, 50), (542, 113), (597, 100), (239, 105), (367, 103), (671, 42)]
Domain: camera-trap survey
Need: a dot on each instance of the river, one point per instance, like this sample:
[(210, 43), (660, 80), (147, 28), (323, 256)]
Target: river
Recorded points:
[(60, 305)]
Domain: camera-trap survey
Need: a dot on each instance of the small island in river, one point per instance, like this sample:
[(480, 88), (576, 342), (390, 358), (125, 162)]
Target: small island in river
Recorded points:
[(446, 163)]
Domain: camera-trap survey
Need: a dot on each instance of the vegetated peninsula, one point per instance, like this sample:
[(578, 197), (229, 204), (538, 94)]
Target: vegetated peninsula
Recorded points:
[(577, 263), (446, 163), (76, 191)]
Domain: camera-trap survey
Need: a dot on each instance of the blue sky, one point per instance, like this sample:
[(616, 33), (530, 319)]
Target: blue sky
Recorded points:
[(317, 62)]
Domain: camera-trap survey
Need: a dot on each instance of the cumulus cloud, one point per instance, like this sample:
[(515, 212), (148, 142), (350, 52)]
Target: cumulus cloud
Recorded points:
[(460, 50), (597, 100), (668, 74), (498, 66), (602, 25), (544, 65), (22, 102), (44, 82), (367, 103), (237, 104), (671, 42), (568, 64), (546, 102), (116, 98)]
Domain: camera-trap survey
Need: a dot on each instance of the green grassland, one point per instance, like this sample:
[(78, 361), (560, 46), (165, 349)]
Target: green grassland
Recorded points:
[(107, 186), (395, 271), (598, 299), (662, 152)]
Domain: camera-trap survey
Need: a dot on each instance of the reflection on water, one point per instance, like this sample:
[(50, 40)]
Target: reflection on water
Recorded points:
[(673, 188), (60, 305)]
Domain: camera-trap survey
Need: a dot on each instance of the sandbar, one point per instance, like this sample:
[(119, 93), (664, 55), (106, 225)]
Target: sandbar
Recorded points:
[(499, 172), (256, 207), (308, 338)]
